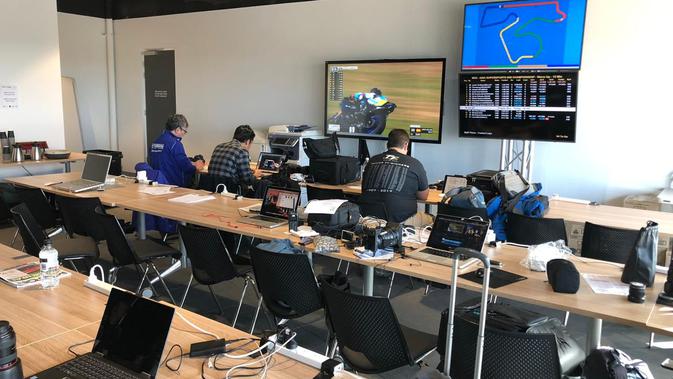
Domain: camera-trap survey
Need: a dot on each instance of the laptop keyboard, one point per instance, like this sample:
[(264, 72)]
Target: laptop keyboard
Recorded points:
[(439, 253), (88, 366), (267, 218)]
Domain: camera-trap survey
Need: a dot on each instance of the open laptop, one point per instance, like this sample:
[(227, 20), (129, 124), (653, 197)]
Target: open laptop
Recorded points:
[(96, 167), (452, 181), (129, 344), (269, 162), (276, 207), (448, 233)]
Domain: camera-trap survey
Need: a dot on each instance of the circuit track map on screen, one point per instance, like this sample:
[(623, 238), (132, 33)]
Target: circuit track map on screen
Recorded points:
[(523, 35)]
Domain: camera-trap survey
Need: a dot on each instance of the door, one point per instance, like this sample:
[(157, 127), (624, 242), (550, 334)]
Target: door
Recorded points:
[(159, 93)]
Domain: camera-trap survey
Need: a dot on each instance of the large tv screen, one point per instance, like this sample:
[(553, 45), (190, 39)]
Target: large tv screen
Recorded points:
[(367, 99), (534, 106), (523, 35)]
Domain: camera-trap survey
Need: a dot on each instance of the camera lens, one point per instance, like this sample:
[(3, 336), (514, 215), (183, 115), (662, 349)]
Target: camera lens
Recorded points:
[(7, 346)]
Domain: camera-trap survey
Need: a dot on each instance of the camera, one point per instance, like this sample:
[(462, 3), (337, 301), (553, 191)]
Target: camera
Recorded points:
[(10, 364), (376, 238)]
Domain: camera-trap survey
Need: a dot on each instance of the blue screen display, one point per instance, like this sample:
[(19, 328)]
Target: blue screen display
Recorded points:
[(523, 35)]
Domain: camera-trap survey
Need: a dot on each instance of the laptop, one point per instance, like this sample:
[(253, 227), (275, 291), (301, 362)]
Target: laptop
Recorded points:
[(448, 233), (276, 207), (451, 182), (129, 344), (96, 167), (269, 162)]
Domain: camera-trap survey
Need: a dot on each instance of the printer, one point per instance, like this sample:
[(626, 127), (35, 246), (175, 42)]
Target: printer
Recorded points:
[(287, 140)]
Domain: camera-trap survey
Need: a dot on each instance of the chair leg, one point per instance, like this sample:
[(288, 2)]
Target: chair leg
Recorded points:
[(184, 297), (142, 280), (651, 344), (427, 290), (16, 234), (254, 320), (338, 266), (240, 301), (212, 293), (259, 296), (73, 265), (390, 286), (112, 274), (163, 282), (567, 316), (348, 266)]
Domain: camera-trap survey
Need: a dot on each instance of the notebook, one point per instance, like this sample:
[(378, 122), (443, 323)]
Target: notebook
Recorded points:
[(448, 233), (129, 343), (95, 171), (276, 207), (269, 162)]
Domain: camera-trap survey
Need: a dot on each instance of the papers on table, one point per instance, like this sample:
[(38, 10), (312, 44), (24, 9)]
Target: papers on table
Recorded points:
[(606, 285), (191, 198), (26, 275), (254, 208), (301, 233), (323, 206), (362, 253), (156, 190)]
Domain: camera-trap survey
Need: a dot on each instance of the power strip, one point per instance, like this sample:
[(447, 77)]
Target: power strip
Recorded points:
[(300, 354), (98, 286)]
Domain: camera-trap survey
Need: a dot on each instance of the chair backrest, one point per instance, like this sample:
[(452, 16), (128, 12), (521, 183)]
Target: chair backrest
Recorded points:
[(608, 244), (532, 231), (39, 206), (211, 262), (79, 216), (369, 336), (315, 193), (373, 209), (31, 232), (449, 210), (286, 282), (506, 354), (117, 245), (209, 182)]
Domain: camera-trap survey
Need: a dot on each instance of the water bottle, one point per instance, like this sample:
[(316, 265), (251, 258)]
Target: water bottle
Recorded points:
[(49, 265)]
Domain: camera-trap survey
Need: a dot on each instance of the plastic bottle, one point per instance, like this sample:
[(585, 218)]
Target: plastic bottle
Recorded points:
[(49, 267)]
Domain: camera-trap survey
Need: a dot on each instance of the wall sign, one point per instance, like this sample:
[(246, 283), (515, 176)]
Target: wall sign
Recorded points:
[(9, 97)]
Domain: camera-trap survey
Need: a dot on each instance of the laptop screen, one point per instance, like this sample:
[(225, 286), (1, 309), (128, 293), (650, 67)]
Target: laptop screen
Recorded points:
[(451, 182), (452, 232), (270, 162), (278, 202), (96, 167), (133, 331)]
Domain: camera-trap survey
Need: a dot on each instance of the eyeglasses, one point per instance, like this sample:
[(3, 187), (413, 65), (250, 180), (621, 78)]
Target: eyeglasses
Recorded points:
[(183, 130)]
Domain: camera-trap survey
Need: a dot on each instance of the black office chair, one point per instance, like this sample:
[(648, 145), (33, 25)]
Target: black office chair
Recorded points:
[(39, 206), (506, 354), (79, 216), (125, 251), (287, 284), (33, 236), (607, 243), (212, 263), (532, 231), (370, 338), (209, 182), (446, 209), (317, 193)]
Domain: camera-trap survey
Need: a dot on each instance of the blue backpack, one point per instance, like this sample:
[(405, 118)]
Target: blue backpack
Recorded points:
[(528, 204)]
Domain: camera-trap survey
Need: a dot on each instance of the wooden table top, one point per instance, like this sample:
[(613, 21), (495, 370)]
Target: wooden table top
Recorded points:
[(74, 157), (47, 322), (355, 188), (123, 190)]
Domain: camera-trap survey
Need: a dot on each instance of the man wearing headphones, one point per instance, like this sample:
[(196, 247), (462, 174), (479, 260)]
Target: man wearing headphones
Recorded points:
[(167, 154)]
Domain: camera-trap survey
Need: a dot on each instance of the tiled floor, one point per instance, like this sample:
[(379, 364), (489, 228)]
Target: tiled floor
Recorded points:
[(412, 308)]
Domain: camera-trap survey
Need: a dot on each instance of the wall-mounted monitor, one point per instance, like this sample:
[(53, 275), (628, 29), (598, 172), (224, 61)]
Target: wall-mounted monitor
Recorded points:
[(367, 99), (526, 34), (534, 106)]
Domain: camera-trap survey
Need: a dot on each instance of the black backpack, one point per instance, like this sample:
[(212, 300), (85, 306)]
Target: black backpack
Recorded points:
[(611, 363)]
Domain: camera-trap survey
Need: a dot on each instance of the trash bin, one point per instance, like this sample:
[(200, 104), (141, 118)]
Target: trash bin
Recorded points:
[(116, 164)]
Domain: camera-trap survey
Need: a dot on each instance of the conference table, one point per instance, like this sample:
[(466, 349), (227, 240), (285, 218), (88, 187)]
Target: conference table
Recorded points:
[(223, 213), (47, 322)]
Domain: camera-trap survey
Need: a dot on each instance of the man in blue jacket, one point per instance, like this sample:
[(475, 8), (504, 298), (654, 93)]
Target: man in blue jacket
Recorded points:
[(167, 154)]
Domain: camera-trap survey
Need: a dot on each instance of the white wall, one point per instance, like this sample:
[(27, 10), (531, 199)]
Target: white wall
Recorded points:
[(84, 58), (264, 66), (29, 59)]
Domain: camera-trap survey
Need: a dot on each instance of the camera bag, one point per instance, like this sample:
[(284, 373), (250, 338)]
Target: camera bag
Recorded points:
[(336, 170), (345, 217)]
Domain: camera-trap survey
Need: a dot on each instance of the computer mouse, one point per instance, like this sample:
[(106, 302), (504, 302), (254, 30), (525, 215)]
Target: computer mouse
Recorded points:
[(480, 272)]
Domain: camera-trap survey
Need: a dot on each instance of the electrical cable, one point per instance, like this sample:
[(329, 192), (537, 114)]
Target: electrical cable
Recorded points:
[(196, 327), (265, 359), (76, 345), (167, 359)]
